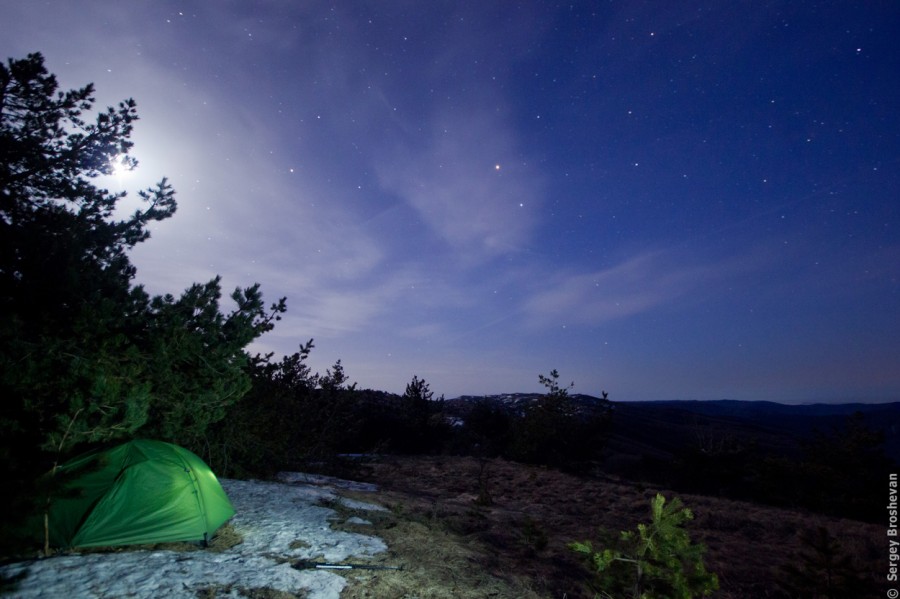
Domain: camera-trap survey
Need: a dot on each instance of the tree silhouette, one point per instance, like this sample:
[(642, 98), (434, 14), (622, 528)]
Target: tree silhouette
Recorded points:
[(554, 430), (86, 356)]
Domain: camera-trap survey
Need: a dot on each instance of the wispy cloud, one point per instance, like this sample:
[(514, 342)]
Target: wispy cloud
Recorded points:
[(644, 282), (467, 182)]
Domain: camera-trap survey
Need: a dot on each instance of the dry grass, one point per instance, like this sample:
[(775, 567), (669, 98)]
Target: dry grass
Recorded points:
[(228, 590), (450, 546), (435, 562), (454, 544)]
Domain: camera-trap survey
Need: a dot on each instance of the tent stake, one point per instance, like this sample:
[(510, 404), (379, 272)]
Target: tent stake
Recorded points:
[(307, 565)]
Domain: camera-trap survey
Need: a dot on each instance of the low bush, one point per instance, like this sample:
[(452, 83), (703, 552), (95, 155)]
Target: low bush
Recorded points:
[(657, 561)]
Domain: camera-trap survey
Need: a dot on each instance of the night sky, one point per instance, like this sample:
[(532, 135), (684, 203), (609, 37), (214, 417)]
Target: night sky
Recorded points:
[(663, 200)]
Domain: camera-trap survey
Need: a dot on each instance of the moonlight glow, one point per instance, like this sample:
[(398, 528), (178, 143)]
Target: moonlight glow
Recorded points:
[(121, 167)]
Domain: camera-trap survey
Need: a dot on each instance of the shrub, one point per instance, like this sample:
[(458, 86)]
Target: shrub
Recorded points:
[(657, 561)]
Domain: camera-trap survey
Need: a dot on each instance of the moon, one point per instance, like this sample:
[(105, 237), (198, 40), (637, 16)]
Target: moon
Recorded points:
[(121, 167)]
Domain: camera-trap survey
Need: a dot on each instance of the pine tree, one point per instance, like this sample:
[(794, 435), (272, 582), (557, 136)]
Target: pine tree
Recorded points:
[(416, 432), (657, 561), (64, 273), (87, 357), (198, 365), (268, 429)]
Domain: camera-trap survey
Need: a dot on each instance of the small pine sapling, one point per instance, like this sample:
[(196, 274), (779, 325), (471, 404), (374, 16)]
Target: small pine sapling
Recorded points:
[(657, 561)]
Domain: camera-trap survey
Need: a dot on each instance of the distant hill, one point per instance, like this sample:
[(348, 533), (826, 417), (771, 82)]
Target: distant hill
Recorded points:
[(797, 421), (755, 409), (660, 429)]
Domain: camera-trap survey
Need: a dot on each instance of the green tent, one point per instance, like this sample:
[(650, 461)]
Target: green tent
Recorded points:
[(139, 492)]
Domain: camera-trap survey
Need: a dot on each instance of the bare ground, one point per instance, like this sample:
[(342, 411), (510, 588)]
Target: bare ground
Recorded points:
[(460, 531)]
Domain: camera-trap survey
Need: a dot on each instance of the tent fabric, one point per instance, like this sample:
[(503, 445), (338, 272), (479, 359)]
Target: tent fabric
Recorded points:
[(139, 492)]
